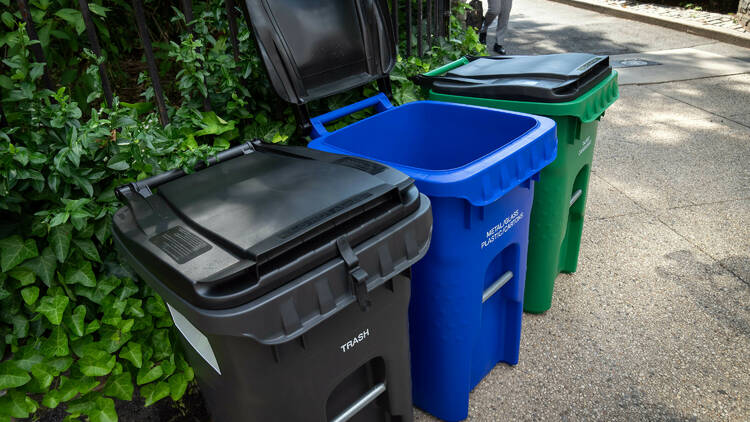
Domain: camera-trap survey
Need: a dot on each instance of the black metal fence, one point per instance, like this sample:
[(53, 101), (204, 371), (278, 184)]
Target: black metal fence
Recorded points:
[(430, 20), (421, 22)]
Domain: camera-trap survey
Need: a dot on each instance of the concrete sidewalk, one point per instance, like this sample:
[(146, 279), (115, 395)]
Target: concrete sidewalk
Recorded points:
[(655, 325)]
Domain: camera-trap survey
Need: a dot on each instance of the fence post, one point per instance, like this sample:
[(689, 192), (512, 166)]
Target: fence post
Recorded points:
[(394, 12), (94, 41), (420, 16), (233, 32), (140, 20), (408, 28), (36, 49)]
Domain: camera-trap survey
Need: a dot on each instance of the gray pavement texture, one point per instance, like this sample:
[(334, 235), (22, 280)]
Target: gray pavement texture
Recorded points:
[(655, 325)]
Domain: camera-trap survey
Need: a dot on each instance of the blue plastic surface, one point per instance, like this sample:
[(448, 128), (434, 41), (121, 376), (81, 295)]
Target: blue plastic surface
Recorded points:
[(478, 166)]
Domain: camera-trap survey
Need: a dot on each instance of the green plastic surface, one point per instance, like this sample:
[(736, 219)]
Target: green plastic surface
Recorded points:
[(556, 225)]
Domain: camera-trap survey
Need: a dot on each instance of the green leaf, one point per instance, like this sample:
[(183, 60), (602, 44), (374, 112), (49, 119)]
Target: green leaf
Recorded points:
[(76, 321), (112, 339), (20, 326), (213, 124), (120, 386), (119, 162), (88, 249), (43, 375), (43, 266), (30, 294), (102, 230), (53, 308), (82, 274), (96, 363), (73, 17), (104, 411), (60, 364), (154, 392), (86, 384), (57, 343), (12, 376), (23, 274), (28, 361), (147, 375), (98, 9), (17, 404), (37, 70), (140, 108), (162, 346), (155, 306), (132, 353), (129, 289), (92, 327), (59, 240), (103, 288), (8, 19), (177, 386), (66, 391), (14, 250)]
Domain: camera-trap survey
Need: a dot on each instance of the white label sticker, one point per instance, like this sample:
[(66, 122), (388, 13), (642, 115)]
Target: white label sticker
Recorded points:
[(501, 228), (196, 339)]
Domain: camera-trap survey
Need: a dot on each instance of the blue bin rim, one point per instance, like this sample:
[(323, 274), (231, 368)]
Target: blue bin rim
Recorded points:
[(483, 180)]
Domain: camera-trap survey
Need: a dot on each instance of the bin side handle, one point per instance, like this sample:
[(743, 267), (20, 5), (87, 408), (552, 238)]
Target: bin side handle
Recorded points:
[(379, 101), (448, 67), (577, 194), (360, 404), (499, 283)]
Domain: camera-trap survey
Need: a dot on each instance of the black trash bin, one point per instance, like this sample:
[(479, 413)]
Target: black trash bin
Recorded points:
[(286, 270)]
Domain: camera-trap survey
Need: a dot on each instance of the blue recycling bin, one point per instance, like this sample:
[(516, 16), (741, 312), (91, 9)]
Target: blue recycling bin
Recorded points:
[(478, 166)]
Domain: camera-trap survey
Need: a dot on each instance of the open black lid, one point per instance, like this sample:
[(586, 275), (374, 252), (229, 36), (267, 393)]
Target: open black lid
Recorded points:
[(236, 230), (549, 78), (316, 48)]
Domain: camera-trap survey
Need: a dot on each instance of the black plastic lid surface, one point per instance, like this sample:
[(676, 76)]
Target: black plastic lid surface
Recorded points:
[(236, 230), (547, 78), (316, 48)]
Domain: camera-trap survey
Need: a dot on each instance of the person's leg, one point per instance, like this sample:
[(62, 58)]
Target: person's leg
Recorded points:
[(493, 9), (502, 21)]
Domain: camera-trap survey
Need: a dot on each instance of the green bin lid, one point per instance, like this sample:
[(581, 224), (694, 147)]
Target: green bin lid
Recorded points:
[(552, 78)]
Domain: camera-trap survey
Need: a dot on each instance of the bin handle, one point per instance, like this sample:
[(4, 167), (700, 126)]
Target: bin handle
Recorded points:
[(379, 101), (500, 282), (577, 194), (360, 404), (425, 80)]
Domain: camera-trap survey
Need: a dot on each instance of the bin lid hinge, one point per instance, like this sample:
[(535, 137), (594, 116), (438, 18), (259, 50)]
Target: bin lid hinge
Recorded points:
[(357, 275)]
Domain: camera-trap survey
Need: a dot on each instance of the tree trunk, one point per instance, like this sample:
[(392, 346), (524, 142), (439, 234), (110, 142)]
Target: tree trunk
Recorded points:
[(743, 13)]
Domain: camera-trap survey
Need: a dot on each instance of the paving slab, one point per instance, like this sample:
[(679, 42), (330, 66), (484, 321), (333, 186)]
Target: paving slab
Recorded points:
[(544, 27), (724, 96), (663, 153), (649, 328), (722, 230), (605, 201), (726, 50), (677, 65)]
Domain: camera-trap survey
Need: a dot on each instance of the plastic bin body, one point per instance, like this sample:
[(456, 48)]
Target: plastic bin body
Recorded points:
[(560, 194), (481, 187), (293, 316)]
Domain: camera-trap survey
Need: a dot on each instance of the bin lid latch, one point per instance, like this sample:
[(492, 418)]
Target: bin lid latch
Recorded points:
[(357, 275)]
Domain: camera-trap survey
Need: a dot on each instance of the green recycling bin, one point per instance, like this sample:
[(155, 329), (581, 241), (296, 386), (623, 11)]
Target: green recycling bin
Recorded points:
[(573, 89)]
